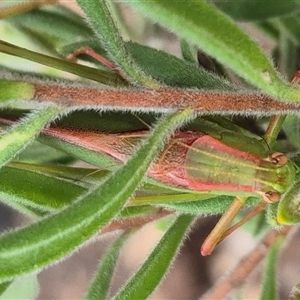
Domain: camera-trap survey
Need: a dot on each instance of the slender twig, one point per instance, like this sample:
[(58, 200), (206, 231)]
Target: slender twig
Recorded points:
[(238, 276), (273, 129)]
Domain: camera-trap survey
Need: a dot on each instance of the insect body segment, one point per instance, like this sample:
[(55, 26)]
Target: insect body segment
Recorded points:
[(275, 178)]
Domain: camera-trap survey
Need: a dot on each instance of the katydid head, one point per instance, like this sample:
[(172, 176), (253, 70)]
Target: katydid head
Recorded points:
[(275, 175)]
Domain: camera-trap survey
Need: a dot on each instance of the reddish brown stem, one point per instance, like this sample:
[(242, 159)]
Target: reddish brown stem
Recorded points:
[(238, 276), (166, 99)]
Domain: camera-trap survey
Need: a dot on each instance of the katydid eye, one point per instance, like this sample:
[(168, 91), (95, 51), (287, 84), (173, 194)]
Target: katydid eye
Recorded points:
[(279, 159), (272, 197)]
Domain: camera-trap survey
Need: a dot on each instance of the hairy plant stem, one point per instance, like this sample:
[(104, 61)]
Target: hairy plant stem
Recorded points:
[(237, 277), (162, 100)]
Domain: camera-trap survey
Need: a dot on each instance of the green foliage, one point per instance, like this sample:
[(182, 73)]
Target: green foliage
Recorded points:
[(208, 29), (15, 90), (269, 287), (105, 28), (102, 280), (142, 284), (256, 10), (125, 113), (17, 137)]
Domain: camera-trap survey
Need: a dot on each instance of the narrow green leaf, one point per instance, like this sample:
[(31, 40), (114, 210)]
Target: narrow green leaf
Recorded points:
[(31, 188), (143, 282), (213, 204), (12, 90), (271, 215), (290, 26), (257, 10), (16, 138), (187, 52), (288, 55), (176, 72), (101, 20), (100, 286), (80, 70), (171, 198), (42, 243), (269, 28), (217, 35), (291, 128), (269, 287)]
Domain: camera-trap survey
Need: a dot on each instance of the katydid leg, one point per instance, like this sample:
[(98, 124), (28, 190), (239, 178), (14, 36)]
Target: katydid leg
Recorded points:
[(217, 233), (257, 209)]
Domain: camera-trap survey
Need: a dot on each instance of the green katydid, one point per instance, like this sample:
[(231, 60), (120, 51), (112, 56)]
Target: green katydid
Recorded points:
[(219, 163), (225, 160)]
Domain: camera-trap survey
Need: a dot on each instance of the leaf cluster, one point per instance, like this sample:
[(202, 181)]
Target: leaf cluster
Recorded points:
[(49, 120)]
